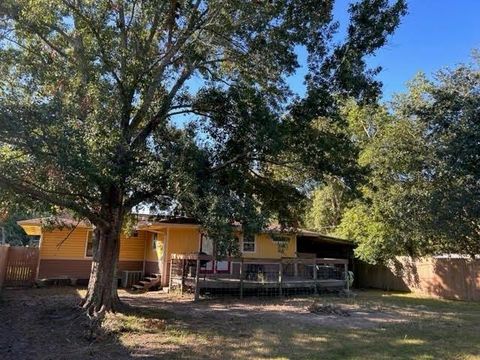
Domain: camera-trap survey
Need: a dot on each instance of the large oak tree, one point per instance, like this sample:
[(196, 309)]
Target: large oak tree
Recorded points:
[(91, 94)]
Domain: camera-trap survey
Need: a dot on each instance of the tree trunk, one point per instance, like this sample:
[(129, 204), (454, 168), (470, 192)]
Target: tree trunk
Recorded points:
[(102, 293)]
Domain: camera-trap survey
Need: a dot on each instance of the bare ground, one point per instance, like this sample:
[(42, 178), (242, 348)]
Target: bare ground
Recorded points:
[(45, 324)]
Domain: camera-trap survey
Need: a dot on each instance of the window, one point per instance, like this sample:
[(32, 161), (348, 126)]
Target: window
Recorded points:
[(249, 243), (281, 241), (154, 241), (135, 233), (89, 245)]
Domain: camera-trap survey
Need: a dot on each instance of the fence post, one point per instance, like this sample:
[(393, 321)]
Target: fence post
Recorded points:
[(315, 290), (197, 277), (241, 279)]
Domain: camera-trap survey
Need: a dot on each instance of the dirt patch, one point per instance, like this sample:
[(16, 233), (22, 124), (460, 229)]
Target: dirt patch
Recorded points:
[(47, 324), (273, 310), (328, 309)]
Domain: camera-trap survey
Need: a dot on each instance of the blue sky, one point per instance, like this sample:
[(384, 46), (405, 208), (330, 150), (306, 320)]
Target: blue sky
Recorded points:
[(434, 34)]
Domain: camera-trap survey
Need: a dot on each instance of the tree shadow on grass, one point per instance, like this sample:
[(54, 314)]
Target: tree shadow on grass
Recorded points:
[(209, 330)]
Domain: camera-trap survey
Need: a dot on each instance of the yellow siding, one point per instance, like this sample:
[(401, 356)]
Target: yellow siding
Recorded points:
[(155, 254), (133, 248), (183, 241), (54, 245), (266, 248)]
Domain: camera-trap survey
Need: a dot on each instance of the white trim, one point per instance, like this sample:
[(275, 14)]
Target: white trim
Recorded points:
[(40, 241), (254, 245), (165, 260), (86, 246)]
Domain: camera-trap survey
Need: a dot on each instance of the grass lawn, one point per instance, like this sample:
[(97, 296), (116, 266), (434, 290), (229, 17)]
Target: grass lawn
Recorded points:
[(380, 325)]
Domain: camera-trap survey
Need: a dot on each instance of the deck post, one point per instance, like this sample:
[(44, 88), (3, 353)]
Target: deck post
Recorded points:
[(280, 275), (183, 277), (295, 269), (315, 290), (197, 282), (346, 276), (241, 279)]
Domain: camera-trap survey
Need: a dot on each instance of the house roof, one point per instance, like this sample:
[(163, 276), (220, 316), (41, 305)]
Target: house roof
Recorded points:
[(146, 221), (323, 237), (54, 222)]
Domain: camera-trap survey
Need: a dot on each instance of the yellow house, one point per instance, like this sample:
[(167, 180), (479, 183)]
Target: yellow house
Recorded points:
[(66, 251)]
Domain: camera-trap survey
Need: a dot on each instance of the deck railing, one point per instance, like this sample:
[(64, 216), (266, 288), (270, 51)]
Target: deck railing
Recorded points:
[(200, 271)]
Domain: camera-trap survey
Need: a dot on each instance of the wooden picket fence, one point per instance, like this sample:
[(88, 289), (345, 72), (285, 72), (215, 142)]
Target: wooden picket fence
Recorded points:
[(18, 265), (444, 277)]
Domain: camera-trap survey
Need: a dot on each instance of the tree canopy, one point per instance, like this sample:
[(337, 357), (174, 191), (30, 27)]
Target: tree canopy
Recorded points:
[(421, 194), (91, 93)]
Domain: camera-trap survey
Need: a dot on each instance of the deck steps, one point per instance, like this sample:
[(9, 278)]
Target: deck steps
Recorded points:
[(149, 282)]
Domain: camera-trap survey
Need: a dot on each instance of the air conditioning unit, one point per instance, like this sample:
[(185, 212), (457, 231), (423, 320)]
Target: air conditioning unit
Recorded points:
[(130, 278)]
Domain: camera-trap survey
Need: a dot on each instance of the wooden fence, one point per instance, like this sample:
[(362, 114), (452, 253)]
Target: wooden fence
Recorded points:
[(18, 265), (448, 278)]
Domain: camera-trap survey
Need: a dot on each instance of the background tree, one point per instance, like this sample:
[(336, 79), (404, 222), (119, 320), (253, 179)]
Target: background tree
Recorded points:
[(14, 235), (327, 206), (422, 196), (329, 200), (91, 93)]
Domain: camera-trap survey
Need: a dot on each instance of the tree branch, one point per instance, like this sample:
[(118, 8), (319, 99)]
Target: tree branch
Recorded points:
[(229, 162), (163, 63), (36, 193), (165, 107)]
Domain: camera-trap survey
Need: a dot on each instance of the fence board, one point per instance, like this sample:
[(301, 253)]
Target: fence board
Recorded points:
[(21, 266), (3, 262)]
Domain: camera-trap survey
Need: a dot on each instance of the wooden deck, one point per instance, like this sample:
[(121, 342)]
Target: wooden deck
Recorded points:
[(187, 273)]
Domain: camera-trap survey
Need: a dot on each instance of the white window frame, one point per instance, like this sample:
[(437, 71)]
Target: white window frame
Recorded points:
[(86, 244), (249, 242)]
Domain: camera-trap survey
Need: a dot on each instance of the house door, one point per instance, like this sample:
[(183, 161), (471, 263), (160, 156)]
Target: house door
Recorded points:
[(158, 251), (207, 247)]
